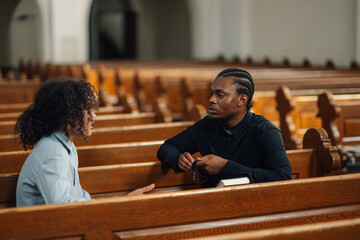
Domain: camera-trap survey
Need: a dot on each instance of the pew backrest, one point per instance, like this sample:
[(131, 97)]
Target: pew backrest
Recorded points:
[(104, 217), (136, 133), (318, 160), (347, 229)]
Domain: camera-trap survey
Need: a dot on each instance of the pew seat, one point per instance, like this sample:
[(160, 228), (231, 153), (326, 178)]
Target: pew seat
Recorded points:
[(108, 218), (317, 159)]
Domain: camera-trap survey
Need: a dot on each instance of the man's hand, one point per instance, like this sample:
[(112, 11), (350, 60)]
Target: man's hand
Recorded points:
[(185, 161), (141, 191), (211, 164)]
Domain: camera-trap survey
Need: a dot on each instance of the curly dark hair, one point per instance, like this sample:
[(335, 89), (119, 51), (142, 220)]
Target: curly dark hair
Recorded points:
[(58, 105)]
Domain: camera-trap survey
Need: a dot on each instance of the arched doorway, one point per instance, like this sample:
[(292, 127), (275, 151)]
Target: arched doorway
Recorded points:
[(140, 29), (6, 11), (25, 32), (112, 30)]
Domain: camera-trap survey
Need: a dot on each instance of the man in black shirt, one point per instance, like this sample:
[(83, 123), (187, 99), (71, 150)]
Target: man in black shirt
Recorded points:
[(233, 141)]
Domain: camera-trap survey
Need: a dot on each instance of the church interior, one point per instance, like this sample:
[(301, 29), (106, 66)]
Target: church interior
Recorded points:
[(153, 65)]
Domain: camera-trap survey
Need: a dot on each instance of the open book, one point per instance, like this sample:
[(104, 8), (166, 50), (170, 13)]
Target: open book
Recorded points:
[(233, 182)]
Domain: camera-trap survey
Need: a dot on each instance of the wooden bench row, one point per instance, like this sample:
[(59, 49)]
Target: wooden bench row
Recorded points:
[(102, 169), (161, 229), (316, 142), (136, 133), (181, 90), (10, 112), (288, 203), (338, 114), (299, 110), (111, 120), (143, 80), (18, 92), (146, 83), (345, 229)]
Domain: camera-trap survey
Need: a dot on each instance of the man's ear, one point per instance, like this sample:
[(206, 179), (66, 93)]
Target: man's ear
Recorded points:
[(242, 100)]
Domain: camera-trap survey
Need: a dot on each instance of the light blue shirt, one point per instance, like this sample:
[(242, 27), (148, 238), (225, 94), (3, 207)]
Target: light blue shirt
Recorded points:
[(50, 173)]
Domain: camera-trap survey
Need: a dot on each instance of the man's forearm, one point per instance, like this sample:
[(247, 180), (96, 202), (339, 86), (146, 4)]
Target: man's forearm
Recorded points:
[(168, 154)]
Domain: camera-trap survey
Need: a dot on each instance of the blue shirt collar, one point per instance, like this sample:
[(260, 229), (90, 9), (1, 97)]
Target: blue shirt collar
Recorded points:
[(64, 140)]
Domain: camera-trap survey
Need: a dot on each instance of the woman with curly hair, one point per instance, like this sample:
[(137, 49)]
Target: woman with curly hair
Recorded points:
[(62, 111)]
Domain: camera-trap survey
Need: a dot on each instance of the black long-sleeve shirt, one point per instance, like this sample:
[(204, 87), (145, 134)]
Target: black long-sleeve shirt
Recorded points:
[(254, 148)]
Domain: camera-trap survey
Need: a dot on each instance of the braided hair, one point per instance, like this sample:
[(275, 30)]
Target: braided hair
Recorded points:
[(244, 81), (58, 104)]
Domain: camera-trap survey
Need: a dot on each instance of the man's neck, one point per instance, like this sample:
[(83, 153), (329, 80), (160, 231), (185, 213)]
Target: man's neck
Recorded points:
[(235, 120)]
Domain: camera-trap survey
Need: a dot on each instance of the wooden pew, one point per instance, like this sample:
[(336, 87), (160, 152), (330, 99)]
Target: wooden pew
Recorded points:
[(110, 218), (342, 121), (309, 83), (318, 159), (18, 92), (183, 90), (144, 79), (136, 133), (348, 229), (103, 121), (292, 111), (112, 91), (160, 114), (13, 107), (20, 107), (196, 91), (113, 120), (112, 180), (298, 111), (103, 76), (93, 155), (149, 85), (107, 85), (345, 113), (13, 114)]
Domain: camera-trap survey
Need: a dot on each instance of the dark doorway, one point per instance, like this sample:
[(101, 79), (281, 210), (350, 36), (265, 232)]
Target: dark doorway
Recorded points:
[(112, 30), (116, 34)]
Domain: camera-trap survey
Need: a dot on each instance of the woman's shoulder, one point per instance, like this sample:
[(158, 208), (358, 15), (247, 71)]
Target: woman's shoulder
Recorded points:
[(49, 146)]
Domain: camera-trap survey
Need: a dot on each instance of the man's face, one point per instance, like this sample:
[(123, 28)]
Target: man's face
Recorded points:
[(89, 120), (223, 102)]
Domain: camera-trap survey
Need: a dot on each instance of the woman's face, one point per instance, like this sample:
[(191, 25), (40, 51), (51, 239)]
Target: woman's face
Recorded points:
[(89, 120)]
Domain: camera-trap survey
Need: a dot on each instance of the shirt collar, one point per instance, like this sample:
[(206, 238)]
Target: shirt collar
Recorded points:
[(236, 131), (64, 140)]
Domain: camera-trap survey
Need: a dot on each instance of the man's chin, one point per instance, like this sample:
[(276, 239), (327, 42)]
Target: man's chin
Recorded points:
[(213, 115)]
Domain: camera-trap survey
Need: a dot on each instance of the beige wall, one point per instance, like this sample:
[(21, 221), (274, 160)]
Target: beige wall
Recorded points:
[(315, 29), (164, 30)]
